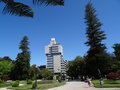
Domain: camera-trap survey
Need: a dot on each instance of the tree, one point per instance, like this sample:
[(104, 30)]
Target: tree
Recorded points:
[(5, 58), (5, 69), (95, 59), (116, 48), (115, 67), (19, 9), (34, 72), (22, 63), (77, 67), (47, 74)]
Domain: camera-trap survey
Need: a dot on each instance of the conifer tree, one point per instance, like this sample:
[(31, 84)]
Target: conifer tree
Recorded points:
[(22, 63), (96, 55)]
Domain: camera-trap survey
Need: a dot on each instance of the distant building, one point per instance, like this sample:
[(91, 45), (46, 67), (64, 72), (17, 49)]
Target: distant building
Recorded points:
[(42, 67), (54, 57)]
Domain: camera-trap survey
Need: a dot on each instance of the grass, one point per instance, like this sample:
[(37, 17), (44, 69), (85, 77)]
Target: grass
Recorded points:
[(46, 82), (42, 85), (5, 84), (107, 84)]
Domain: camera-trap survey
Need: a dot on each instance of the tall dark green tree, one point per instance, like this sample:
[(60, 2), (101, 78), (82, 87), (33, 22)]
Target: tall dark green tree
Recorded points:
[(116, 48), (96, 54), (22, 64)]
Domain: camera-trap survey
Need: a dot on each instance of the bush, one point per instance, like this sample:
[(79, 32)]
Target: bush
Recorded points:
[(15, 83), (34, 86), (18, 81), (113, 76), (29, 81)]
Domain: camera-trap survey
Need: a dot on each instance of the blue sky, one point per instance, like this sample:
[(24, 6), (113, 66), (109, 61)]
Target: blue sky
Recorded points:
[(65, 23)]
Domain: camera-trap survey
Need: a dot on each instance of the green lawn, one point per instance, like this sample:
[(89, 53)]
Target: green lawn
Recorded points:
[(46, 81), (5, 84), (107, 83), (42, 85)]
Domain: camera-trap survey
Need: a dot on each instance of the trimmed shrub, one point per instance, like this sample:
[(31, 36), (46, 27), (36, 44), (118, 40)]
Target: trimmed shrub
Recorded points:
[(34, 86), (113, 76), (29, 81), (18, 81), (15, 83)]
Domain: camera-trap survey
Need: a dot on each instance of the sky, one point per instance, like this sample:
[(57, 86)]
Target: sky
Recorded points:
[(65, 23)]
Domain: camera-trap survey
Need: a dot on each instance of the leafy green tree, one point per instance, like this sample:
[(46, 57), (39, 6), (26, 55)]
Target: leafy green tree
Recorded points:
[(96, 58), (115, 66), (71, 68), (6, 58), (116, 48), (34, 72), (77, 67), (47, 74), (5, 69), (22, 63), (16, 8)]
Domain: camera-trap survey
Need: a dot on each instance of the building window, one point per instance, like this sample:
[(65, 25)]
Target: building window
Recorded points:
[(53, 49)]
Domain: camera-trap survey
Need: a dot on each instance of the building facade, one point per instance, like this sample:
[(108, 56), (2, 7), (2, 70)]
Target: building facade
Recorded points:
[(54, 57)]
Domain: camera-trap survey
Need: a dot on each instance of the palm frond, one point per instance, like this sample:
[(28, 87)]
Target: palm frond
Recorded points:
[(48, 2), (18, 9), (6, 1), (1, 1)]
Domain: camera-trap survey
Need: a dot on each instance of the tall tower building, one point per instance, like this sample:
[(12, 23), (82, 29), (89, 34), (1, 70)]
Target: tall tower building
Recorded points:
[(54, 57)]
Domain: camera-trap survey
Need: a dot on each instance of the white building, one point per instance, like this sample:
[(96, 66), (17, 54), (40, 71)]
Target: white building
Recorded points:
[(54, 57)]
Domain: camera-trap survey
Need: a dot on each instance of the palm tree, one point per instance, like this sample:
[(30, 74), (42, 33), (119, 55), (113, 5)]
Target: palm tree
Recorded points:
[(19, 9)]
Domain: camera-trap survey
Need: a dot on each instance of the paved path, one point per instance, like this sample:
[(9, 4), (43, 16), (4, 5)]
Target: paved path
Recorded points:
[(4, 89), (79, 86)]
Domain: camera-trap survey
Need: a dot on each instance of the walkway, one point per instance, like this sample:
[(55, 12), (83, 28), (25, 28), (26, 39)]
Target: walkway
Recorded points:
[(4, 89), (79, 86)]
